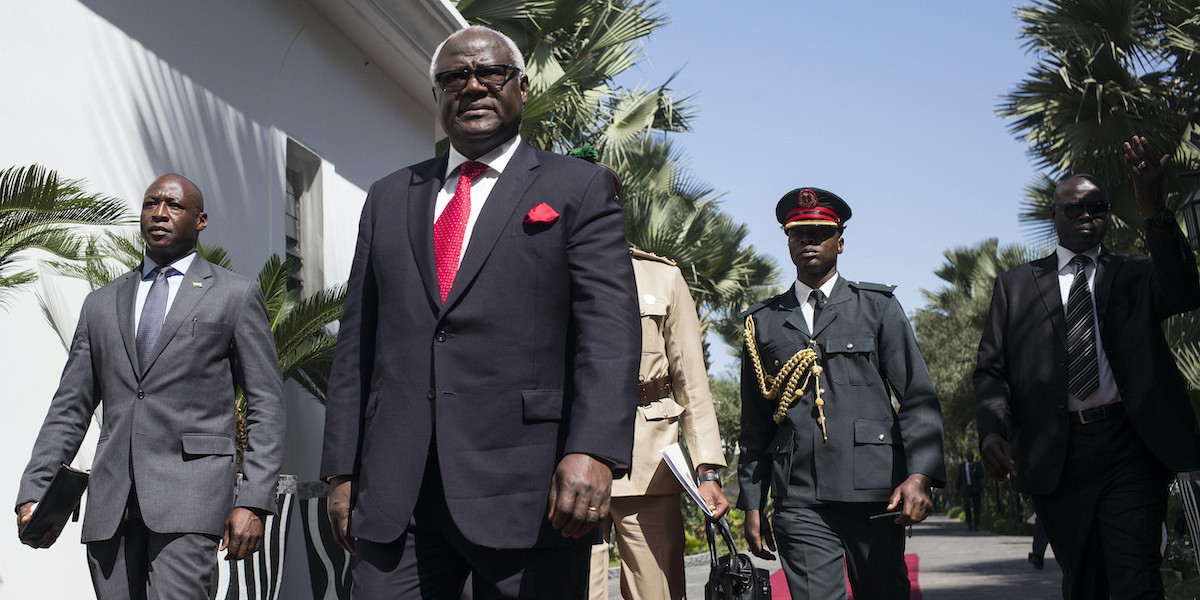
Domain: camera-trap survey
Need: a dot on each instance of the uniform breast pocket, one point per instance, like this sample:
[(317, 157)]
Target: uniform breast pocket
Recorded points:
[(848, 358)]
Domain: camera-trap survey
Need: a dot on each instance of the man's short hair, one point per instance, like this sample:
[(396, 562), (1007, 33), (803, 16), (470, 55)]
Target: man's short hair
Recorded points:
[(518, 60)]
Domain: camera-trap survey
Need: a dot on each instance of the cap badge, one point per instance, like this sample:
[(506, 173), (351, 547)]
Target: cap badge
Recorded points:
[(808, 198)]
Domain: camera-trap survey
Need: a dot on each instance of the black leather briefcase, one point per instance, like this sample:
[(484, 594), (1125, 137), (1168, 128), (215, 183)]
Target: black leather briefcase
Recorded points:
[(733, 576)]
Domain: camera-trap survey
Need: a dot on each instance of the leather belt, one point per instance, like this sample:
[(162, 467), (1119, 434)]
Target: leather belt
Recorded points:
[(655, 389), (1099, 413)]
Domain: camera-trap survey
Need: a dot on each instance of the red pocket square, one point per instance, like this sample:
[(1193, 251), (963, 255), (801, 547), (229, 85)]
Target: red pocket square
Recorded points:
[(542, 213)]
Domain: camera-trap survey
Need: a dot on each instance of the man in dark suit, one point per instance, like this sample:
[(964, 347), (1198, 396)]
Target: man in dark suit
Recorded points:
[(478, 406), (970, 487), (1079, 400), (835, 453), (161, 350)]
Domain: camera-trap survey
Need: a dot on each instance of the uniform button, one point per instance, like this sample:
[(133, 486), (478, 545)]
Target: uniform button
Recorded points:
[(431, 394), (849, 346), (441, 336), (881, 437), (141, 394), (777, 362)]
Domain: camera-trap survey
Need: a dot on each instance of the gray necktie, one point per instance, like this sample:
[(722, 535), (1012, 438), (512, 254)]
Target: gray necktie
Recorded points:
[(1083, 367), (153, 313)]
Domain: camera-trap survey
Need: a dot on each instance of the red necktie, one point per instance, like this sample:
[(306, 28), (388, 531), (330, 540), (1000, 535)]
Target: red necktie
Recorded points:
[(450, 226)]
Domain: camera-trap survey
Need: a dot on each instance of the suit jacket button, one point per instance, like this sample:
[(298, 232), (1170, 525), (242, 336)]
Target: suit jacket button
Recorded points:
[(881, 437), (441, 336), (849, 346), (431, 394), (141, 394)]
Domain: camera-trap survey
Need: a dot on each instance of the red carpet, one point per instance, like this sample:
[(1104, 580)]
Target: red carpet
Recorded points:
[(779, 589)]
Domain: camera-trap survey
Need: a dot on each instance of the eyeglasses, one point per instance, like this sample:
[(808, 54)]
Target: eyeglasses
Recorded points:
[(493, 77), (1098, 209)]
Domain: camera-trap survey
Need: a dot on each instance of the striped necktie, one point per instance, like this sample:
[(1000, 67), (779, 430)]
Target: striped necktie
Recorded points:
[(1083, 368)]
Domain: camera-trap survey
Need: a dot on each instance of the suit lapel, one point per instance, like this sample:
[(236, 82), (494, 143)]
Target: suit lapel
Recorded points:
[(1106, 271), (192, 287), (1045, 276), (495, 217), (839, 295), (422, 195), (795, 317), (126, 297)]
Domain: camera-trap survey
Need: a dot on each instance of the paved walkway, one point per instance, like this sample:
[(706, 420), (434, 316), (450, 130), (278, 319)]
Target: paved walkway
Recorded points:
[(955, 564)]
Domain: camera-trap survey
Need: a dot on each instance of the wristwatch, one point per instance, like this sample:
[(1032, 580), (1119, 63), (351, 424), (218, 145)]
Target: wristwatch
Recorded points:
[(1164, 218), (711, 476)]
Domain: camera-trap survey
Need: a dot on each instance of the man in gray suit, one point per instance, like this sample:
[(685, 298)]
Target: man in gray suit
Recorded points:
[(162, 349)]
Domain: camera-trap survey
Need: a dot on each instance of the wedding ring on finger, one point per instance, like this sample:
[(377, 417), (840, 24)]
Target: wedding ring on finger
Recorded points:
[(592, 509)]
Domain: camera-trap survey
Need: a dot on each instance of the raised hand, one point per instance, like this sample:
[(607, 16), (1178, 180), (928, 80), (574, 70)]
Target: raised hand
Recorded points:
[(1149, 171)]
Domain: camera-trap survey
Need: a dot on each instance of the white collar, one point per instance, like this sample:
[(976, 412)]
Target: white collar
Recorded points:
[(802, 289), (496, 160), (181, 264), (1065, 256)]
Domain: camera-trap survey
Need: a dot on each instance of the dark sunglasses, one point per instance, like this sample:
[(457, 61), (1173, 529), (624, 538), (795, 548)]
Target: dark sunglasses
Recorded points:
[(493, 77), (1098, 209)]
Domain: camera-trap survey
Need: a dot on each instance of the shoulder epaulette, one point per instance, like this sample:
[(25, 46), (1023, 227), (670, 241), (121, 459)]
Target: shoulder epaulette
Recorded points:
[(755, 308), (883, 288), (643, 255)]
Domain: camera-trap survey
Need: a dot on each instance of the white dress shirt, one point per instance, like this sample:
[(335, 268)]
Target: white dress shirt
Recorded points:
[(1107, 393), (181, 266), (481, 187), (806, 307)]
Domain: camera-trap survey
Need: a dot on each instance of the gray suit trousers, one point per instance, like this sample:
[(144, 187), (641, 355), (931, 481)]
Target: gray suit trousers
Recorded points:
[(139, 564)]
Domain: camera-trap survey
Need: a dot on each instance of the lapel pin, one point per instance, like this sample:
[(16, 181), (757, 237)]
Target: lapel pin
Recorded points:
[(197, 284)]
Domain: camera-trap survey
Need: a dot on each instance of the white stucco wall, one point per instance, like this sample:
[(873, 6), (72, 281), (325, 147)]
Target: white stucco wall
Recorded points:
[(119, 92)]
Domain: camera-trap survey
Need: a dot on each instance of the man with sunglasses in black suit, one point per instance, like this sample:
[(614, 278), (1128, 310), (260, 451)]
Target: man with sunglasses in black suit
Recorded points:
[(1078, 399)]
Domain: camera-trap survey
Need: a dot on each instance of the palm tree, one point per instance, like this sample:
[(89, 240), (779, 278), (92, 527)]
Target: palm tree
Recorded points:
[(1108, 69), (37, 212)]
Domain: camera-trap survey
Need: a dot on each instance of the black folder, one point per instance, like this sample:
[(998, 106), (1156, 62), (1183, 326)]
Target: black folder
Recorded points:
[(60, 500)]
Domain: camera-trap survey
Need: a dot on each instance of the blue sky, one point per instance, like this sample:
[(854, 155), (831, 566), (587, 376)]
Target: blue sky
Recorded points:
[(891, 105)]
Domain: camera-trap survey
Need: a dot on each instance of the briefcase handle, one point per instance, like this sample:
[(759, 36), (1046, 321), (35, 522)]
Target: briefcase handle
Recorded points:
[(721, 527)]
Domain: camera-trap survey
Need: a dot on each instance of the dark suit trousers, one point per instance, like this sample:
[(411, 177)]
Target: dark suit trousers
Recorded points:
[(813, 540), (140, 564), (1104, 519), (432, 559), (973, 507)]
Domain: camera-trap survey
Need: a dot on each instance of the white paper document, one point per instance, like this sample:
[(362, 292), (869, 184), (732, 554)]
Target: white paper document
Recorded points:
[(683, 471)]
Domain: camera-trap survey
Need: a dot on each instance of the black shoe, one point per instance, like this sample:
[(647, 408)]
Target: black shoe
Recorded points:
[(1038, 562)]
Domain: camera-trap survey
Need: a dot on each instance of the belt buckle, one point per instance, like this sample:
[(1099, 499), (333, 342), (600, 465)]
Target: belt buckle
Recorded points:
[(1098, 409)]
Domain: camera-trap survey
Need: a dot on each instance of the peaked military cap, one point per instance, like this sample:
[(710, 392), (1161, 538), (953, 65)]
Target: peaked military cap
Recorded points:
[(811, 206)]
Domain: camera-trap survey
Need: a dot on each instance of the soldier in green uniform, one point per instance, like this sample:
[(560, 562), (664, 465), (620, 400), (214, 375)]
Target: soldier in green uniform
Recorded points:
[(840, 421)]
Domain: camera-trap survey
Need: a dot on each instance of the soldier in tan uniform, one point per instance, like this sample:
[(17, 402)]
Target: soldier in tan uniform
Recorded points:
[(673, 393)]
